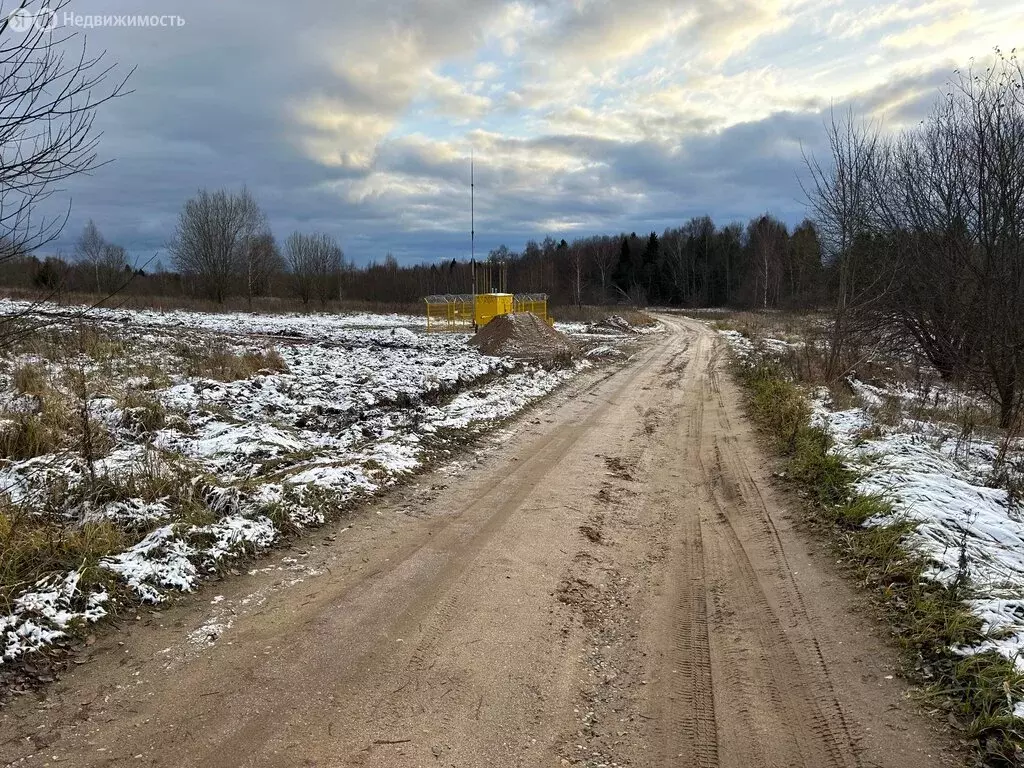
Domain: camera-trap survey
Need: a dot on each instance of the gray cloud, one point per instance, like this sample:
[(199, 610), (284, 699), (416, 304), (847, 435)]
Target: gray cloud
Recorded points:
[(337, 117)]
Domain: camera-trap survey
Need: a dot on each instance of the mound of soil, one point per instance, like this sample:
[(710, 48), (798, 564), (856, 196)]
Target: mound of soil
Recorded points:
[(524, 336)]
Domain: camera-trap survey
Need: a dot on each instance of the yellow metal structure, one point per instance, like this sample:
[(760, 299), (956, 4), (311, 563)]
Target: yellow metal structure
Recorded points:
[(466, 312), (450, 312), (491, 305), (533, 302)]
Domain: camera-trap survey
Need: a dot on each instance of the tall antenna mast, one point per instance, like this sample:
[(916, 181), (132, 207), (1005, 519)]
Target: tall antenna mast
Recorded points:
[(472, 213), (472, 203)]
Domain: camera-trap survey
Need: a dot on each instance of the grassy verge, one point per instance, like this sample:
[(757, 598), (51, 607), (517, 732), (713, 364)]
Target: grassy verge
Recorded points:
[(928, 619)]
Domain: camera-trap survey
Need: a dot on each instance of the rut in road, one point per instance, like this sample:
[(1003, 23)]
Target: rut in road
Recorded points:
[(616, 584)]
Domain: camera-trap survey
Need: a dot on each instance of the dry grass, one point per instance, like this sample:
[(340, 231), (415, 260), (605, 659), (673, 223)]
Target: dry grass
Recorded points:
[(222, 364), (32, 547), (46, 426), (57, 536), (142, 413), (158, 476), (30, 379), (595, 314), (96, 344), (637, 319), (788, 326), (63, 342), (52, 418)]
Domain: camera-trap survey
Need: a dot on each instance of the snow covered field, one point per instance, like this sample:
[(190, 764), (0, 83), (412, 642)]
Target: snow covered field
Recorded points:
[(942, 481), (180, 441)]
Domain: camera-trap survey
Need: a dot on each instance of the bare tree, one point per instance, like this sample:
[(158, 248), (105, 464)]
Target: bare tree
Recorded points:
[(114, 269), (952, 208), (841, 193), (977, 139), (636, 296), (315, 263), (299, 258), (605, 256), (262, 262), (89, 248), (213, 239), (577, 263), (927, 231), (768, 238), (677, 262), (329, 266), (50, 90), (107, 262)]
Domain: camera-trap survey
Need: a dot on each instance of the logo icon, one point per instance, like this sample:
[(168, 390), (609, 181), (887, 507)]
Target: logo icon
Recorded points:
[(23, 20)]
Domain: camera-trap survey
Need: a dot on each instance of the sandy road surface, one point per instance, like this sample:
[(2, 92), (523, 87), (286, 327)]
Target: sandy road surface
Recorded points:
[(616, 583)]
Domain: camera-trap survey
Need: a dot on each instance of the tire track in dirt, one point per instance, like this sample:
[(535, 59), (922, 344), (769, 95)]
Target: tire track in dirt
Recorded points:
[(758, 526), (807, 727), (447, 601), (732, 468), (732, 672), (685, 724), (795, 698)]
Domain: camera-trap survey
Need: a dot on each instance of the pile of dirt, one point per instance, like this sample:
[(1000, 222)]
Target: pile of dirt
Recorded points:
[(524, 336)]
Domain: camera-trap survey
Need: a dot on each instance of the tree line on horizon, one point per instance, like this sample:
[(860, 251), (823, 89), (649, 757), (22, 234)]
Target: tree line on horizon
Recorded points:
[(698, 264), (224, 249)]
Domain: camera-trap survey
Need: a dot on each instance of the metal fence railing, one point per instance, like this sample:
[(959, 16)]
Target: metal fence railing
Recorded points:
[(458, 312), (450, 312)]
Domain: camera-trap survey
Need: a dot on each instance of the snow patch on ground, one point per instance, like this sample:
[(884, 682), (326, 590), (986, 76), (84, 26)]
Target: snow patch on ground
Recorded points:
[(208, 634), (741, 346), (44, 614), (363, 401), (954, 510)]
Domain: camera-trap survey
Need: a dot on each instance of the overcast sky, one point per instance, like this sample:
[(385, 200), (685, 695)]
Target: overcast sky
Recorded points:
[(357, 117)]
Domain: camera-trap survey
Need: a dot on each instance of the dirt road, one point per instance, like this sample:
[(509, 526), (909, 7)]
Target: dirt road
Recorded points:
[(615, 583)]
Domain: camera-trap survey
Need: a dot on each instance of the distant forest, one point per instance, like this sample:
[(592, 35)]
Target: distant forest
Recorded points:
[(698, 264), (760, 265)]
